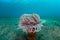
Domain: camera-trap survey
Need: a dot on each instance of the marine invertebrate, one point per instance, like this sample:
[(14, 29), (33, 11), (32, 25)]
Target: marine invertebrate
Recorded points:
[(30, 23)]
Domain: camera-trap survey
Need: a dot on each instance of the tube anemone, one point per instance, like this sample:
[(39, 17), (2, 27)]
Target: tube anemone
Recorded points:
[(30, 23)]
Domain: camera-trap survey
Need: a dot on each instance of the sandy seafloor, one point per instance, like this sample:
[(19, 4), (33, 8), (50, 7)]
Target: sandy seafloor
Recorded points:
[(9, 31)]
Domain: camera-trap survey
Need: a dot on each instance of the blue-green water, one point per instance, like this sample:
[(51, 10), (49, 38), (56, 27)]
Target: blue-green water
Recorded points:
[(11, 10), (15, 8)]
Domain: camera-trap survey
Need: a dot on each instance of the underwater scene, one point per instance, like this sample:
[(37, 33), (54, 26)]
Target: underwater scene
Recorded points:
[(29, 19)]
